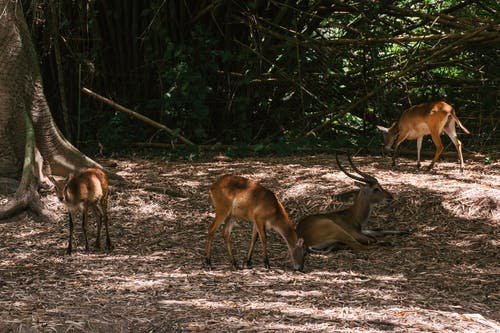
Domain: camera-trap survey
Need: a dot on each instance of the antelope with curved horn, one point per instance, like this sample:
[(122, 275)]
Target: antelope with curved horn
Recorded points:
[(323, 232), (423, 119)]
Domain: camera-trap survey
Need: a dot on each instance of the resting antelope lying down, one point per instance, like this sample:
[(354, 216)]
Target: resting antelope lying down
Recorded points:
[(324, 232)]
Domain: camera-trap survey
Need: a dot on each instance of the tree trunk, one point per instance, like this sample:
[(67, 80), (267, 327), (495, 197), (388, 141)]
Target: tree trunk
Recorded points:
[(31, 145)]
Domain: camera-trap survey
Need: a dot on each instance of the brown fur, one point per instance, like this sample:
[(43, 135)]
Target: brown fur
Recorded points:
[(322, 232), (87, 189), (423, 119), (235, 196)]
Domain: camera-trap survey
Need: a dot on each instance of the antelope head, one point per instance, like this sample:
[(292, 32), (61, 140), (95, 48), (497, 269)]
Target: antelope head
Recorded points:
[(390, 135), (369, 185)]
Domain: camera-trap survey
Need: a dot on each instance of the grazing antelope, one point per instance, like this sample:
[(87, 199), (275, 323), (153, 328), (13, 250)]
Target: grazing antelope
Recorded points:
[(423, 119), (87, 189), (235, 196), (323, 232)]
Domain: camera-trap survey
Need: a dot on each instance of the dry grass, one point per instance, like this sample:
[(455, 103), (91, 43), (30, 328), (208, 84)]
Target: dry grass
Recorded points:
[(443, 277)]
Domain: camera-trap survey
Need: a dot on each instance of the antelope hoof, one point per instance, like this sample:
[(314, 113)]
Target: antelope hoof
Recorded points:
[(249, 264), (236, 266), (418, 166), (266, 263), (109, 246), (208, 264)]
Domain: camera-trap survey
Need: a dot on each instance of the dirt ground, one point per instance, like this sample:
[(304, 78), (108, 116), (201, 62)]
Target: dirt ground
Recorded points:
[(442, 277)]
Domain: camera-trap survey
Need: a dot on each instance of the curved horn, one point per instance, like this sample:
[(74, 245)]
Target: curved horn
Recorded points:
[(367, 177), (364, 180)]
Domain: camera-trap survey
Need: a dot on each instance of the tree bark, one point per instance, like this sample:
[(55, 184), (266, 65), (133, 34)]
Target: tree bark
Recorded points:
[(31, 145)]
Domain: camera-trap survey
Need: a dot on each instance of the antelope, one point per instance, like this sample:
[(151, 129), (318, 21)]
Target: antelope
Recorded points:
[(324, 232), (234, 196), (423, 119), (81, 191)]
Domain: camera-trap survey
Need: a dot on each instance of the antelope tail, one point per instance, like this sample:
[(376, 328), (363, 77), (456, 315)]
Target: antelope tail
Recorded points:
[(459, 123)]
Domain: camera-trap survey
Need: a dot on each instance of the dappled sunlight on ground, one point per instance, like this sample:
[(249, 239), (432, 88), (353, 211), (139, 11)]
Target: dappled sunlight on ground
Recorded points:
[(442, 276)]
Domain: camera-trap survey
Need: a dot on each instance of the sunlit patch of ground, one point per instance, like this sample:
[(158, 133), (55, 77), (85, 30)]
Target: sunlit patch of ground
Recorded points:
[(442, 277)]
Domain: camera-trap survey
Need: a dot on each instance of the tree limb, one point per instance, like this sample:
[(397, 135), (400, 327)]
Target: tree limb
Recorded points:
[(136, 115)]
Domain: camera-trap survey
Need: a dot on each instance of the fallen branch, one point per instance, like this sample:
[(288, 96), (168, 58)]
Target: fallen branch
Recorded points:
[(137, 115)]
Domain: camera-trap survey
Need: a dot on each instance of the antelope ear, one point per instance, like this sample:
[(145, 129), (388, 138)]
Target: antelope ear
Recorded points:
[(383, 129), (300, 242), (56, 182)]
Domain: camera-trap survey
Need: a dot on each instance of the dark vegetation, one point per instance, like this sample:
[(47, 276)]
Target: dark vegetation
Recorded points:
[(264, 74)]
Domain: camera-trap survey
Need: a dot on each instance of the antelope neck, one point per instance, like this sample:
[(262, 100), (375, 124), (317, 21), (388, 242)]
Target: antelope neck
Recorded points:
[(288, 234), (361, 209)]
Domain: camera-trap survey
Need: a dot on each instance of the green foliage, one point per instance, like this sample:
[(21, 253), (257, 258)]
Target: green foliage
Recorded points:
[(185, 99), (262, 74), (185, 73), (352, 120), (187, 153), (488, 160), (116, 133)]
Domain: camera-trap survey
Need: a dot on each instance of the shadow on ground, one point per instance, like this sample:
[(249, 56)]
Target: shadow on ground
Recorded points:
[(442, 277)]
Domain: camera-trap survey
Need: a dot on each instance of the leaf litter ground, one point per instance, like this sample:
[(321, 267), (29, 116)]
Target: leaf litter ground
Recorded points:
[(442, 277)]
